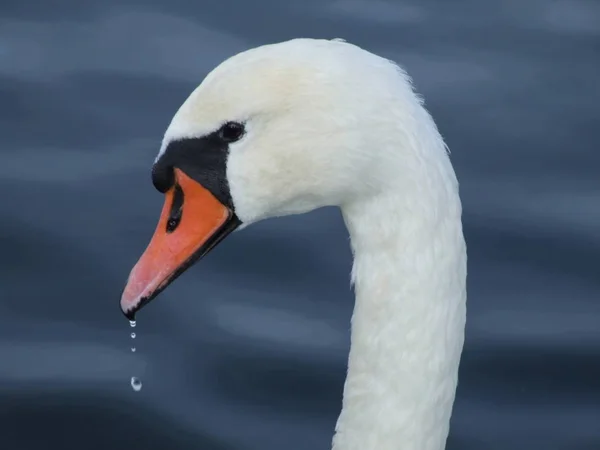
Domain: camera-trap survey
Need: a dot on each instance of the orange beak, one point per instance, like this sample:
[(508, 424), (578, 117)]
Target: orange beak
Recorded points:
[(192, 223)]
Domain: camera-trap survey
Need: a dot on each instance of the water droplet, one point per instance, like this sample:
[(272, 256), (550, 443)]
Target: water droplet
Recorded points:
[(136, 384)]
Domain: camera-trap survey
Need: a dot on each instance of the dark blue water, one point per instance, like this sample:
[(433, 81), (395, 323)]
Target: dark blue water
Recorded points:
[(248, 349)]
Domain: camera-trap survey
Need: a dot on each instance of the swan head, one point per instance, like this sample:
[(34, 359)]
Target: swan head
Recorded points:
[(277, 130)]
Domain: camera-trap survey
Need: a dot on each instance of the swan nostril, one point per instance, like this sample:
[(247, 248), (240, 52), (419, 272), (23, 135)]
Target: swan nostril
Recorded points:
[(176, 209), (172, 223)]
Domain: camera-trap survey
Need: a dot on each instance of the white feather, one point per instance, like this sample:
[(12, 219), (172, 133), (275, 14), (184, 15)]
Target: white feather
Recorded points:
[(331, 124)]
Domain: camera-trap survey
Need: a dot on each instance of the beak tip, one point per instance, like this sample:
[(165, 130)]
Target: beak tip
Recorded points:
[(129, 314), (128, 307)]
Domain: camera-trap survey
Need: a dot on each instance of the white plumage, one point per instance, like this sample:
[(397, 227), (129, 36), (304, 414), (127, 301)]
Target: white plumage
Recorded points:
[(328, 123)]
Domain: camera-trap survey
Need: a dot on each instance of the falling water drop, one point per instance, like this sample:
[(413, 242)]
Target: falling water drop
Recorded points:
[(136, 384)]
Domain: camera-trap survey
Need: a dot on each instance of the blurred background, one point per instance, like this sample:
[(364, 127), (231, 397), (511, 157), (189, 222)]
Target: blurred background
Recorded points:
[(248, 349)]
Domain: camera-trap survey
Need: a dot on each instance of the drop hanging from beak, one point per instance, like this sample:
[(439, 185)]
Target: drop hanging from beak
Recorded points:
[(192, 223)]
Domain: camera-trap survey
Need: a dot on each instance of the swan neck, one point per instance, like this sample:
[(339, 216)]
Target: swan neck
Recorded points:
[(409, 275)]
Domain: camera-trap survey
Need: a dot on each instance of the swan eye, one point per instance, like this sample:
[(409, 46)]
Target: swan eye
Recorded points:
[(231, 131)]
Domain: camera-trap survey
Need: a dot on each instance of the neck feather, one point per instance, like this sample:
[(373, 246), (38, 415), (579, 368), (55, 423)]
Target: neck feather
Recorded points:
[(408, 323)]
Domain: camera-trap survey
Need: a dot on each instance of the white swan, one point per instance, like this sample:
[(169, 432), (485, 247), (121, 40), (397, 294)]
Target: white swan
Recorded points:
[(290, 127)]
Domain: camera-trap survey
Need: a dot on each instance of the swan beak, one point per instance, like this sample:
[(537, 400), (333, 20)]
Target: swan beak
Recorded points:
[(192, 223)]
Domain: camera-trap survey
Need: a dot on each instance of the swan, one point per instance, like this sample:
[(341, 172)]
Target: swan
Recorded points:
[(289, 127)]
